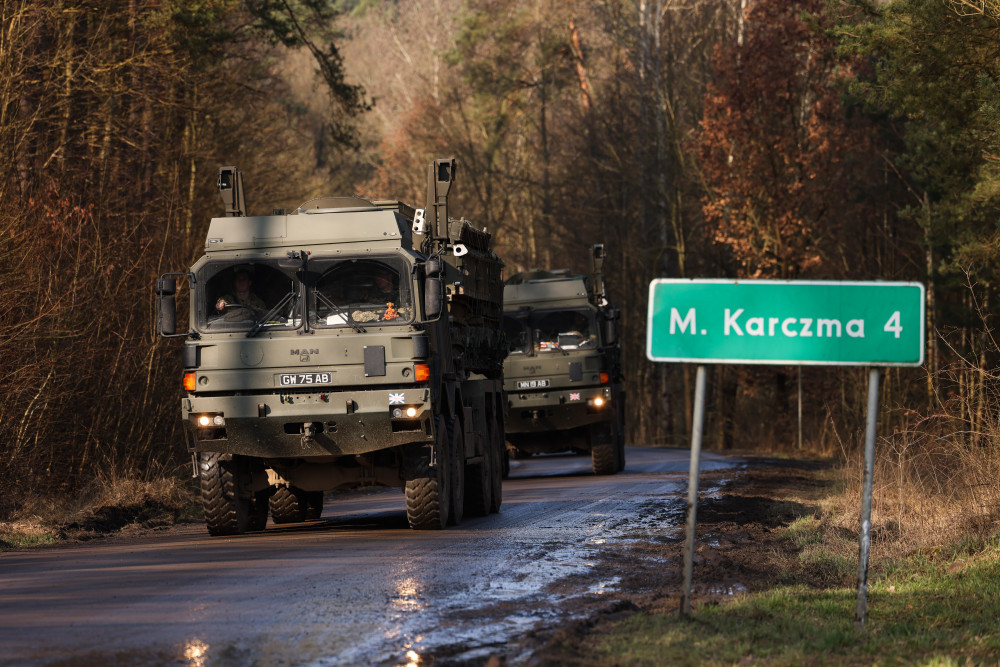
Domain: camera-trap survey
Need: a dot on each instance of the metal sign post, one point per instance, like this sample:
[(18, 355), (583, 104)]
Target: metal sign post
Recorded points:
[(785, 322), (692, 502), (866, 499)]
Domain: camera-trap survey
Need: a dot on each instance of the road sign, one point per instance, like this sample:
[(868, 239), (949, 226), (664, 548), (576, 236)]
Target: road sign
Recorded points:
[(824, 323)]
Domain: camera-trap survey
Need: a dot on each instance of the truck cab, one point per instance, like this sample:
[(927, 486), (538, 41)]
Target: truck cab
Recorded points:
[(562, 374)]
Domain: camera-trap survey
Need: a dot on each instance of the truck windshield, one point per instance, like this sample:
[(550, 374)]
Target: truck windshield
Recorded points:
[(544, 331), (374, 291), (241, 296)]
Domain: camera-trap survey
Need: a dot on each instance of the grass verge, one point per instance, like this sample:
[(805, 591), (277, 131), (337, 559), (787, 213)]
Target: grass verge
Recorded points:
[(109, 505), (935, 607)]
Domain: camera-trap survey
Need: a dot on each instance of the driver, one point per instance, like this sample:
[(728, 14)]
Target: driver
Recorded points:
[(579, 328), (385, 290), (242, 296), (382, 290)]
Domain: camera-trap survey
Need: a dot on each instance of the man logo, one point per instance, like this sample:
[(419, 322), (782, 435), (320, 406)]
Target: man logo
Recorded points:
[(305, 352)]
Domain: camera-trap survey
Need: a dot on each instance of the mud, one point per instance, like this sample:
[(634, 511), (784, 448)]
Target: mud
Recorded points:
[(740, 547)]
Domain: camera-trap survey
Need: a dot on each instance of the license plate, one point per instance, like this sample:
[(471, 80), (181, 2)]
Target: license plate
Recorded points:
[(532, 384), (304, 379)]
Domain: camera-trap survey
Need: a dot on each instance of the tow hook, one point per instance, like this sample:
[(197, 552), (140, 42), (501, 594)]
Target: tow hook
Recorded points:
[(308, 433)]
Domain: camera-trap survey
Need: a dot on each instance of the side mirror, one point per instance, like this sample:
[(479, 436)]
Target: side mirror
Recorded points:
[(609, 332), (166, 317), (166, 306), (433, 298)]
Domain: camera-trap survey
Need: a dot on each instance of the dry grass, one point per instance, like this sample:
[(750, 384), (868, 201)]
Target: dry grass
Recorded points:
[(108, 504), (936, 483)]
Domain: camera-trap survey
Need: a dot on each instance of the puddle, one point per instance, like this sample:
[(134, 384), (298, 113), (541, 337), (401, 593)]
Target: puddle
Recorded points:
[(540, 574)]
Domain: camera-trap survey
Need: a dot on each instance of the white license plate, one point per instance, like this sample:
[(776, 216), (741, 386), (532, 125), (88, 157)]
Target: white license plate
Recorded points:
[(532, 384), (304, 379)]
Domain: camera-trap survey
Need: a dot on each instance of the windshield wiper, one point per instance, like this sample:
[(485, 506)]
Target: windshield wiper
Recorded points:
[(259, 324), (340, 311)]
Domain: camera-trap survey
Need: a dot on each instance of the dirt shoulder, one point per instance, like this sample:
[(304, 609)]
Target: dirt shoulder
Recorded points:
[(746, 542)]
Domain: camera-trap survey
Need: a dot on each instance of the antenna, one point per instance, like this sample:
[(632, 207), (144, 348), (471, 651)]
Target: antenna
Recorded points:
[(439, 179), (230, 186), (598, 295)]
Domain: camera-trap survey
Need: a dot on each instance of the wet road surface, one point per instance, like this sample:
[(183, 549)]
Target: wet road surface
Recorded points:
[(357, 587)]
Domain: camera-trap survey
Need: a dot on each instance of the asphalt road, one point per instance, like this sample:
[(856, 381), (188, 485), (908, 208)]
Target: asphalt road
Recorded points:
[(357, 587)]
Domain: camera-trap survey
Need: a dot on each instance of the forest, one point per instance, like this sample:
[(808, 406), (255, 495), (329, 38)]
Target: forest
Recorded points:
[(791, 139)]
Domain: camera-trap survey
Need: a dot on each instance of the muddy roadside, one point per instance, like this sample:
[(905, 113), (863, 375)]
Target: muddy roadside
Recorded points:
[(744, 544)]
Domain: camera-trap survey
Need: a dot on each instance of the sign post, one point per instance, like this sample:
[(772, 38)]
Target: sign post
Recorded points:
[(783, 322), (692, 502), (866, 499)]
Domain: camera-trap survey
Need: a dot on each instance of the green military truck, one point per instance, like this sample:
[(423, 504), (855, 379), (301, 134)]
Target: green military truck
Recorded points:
[(347, 342), (563, 370)]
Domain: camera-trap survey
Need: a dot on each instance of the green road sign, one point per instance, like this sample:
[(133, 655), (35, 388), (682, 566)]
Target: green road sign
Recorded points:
[(823, 323)]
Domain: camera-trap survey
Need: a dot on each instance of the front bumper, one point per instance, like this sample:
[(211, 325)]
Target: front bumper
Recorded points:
[(558, 409), (308, 423)]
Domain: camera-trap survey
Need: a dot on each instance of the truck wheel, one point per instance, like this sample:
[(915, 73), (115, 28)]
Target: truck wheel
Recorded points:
[(603, 450), (290, 504), (427, 492), (456, 433), (231, 506), (479, 481)]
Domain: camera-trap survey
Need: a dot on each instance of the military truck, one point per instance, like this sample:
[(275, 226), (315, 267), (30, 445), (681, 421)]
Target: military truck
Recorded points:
[(348, 342), (563, 372)]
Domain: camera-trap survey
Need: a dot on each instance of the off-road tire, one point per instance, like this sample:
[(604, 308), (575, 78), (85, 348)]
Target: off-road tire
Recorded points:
[(603, 449), (230, 509), (427, 489), (291, 504), (604, 459)]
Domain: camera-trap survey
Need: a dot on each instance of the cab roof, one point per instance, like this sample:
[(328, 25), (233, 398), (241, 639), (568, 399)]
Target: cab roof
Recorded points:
[(545, 289), (327, 220)]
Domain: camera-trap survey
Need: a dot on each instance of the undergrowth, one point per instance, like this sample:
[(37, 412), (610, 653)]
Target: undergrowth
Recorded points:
[(109, 504)]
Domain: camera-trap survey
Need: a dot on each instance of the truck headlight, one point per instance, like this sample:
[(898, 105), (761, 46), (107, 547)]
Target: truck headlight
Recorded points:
[(210, 420)]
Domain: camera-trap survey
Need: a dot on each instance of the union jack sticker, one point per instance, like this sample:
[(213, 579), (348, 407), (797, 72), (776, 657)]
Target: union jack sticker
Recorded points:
[(574, 396), (396, 399)]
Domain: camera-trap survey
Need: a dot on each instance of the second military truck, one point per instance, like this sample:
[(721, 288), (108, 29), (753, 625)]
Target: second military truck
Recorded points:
[(563, 370), (348, 342)]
